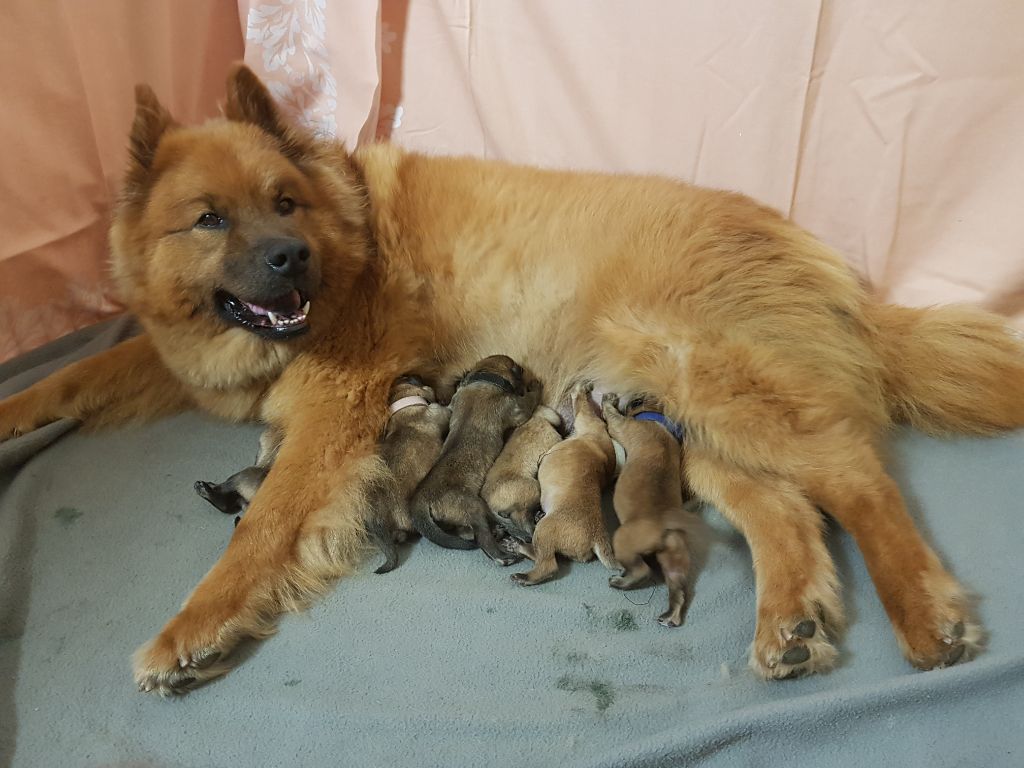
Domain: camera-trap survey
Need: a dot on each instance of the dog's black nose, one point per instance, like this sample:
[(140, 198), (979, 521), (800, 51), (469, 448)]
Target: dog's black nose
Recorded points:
[(287, 256)]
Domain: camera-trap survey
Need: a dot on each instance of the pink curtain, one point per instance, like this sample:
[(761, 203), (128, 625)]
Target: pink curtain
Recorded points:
[(67, 70), (890, 128)]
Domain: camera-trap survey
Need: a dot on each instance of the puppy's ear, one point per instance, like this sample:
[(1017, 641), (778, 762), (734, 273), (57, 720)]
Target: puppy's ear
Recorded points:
[(249, 101), (151, 122)]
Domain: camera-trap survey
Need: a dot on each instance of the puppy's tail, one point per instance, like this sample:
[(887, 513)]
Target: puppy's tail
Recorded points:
[(605, 553), (950, 369), (378, 532), (425, 524)]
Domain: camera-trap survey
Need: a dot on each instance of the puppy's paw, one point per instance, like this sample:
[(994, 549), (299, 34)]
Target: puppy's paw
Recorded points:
[(626, 582), (581, 392), (792, 648), (634, 577), (510, 545), (673, 617), (183, 656), (503, 557)]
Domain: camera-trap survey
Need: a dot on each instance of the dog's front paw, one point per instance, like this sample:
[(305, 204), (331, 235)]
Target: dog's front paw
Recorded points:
[(184, 655), (19, 415)]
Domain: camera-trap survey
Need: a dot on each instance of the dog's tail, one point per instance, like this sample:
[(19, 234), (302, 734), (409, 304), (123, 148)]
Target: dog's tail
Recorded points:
[(427, 527), (950, 369)]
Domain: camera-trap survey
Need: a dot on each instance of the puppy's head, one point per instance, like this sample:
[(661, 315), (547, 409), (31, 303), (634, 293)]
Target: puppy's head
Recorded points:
[(502, 366), (410, 385), (223, 229), (630, 405)]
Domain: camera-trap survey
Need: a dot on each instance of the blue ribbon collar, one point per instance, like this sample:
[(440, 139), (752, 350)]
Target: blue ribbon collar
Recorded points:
[(676, 430)]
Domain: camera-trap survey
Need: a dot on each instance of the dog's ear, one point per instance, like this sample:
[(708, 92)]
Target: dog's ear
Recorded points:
[(249, 101), (151, 122)]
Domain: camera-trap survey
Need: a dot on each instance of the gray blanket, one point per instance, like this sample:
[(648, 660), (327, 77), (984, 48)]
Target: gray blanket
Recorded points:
[(446, 661)]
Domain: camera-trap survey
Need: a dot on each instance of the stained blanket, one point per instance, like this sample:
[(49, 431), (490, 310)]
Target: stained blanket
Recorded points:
[(446, 661)]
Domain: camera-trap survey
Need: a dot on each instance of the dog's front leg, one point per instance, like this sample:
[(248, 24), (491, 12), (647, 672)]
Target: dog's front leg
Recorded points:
[(303, 530), (127, 382)]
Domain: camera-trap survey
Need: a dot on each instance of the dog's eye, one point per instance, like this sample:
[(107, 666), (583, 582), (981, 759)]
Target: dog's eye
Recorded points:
[(285, 206), (538, 516), (636, 402), (209, 220)]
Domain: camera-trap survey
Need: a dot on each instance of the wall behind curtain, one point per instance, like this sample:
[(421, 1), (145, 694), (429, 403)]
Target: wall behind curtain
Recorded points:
[(67, 72)]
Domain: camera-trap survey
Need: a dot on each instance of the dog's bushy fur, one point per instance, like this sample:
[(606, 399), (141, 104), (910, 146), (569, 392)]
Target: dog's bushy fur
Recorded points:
[(753, 333)]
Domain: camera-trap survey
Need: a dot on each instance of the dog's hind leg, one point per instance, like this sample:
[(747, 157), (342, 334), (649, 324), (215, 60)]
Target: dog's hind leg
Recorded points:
[(798, 606), (928, 608)]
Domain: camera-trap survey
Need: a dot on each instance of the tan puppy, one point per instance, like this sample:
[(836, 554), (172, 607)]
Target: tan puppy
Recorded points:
[(281, 278), (572, 476), (511, 489), (649, 502), (491, 400)]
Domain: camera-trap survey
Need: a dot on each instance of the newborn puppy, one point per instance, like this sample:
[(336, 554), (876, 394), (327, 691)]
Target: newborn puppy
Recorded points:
[(233, 495), (649, 501), (411, 443), (489, 402), (572, 476), (511, 489)]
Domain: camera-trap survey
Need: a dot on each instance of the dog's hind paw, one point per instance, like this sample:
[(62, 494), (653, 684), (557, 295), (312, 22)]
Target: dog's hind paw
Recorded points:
[(947, 637), (798, 647)]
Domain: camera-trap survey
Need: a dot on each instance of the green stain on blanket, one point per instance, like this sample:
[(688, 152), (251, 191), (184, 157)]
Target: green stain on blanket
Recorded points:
[(602, 691), (67, 515), (621, 620)]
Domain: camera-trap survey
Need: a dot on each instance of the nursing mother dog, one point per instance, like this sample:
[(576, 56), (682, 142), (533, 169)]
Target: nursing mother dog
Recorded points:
[(285, 279)]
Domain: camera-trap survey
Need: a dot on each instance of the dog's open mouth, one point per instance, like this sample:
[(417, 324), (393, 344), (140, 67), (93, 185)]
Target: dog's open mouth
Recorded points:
[(278, 318)]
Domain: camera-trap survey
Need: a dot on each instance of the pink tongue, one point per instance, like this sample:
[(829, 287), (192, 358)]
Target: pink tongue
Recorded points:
[(256, 309), (284, 305)]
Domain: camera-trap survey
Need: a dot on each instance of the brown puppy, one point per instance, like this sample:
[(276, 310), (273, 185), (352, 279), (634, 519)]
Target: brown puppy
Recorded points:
[(412, 441), (649, 502), (572, 476), (511, 489), (785, 370), (491, 400), (411, 444)]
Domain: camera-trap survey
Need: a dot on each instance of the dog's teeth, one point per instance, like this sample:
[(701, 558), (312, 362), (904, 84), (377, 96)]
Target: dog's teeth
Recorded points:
[(305, 308), (272, 317)]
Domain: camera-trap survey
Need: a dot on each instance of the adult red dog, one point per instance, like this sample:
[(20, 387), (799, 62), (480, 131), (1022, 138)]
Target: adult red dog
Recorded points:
[(284, 279)]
